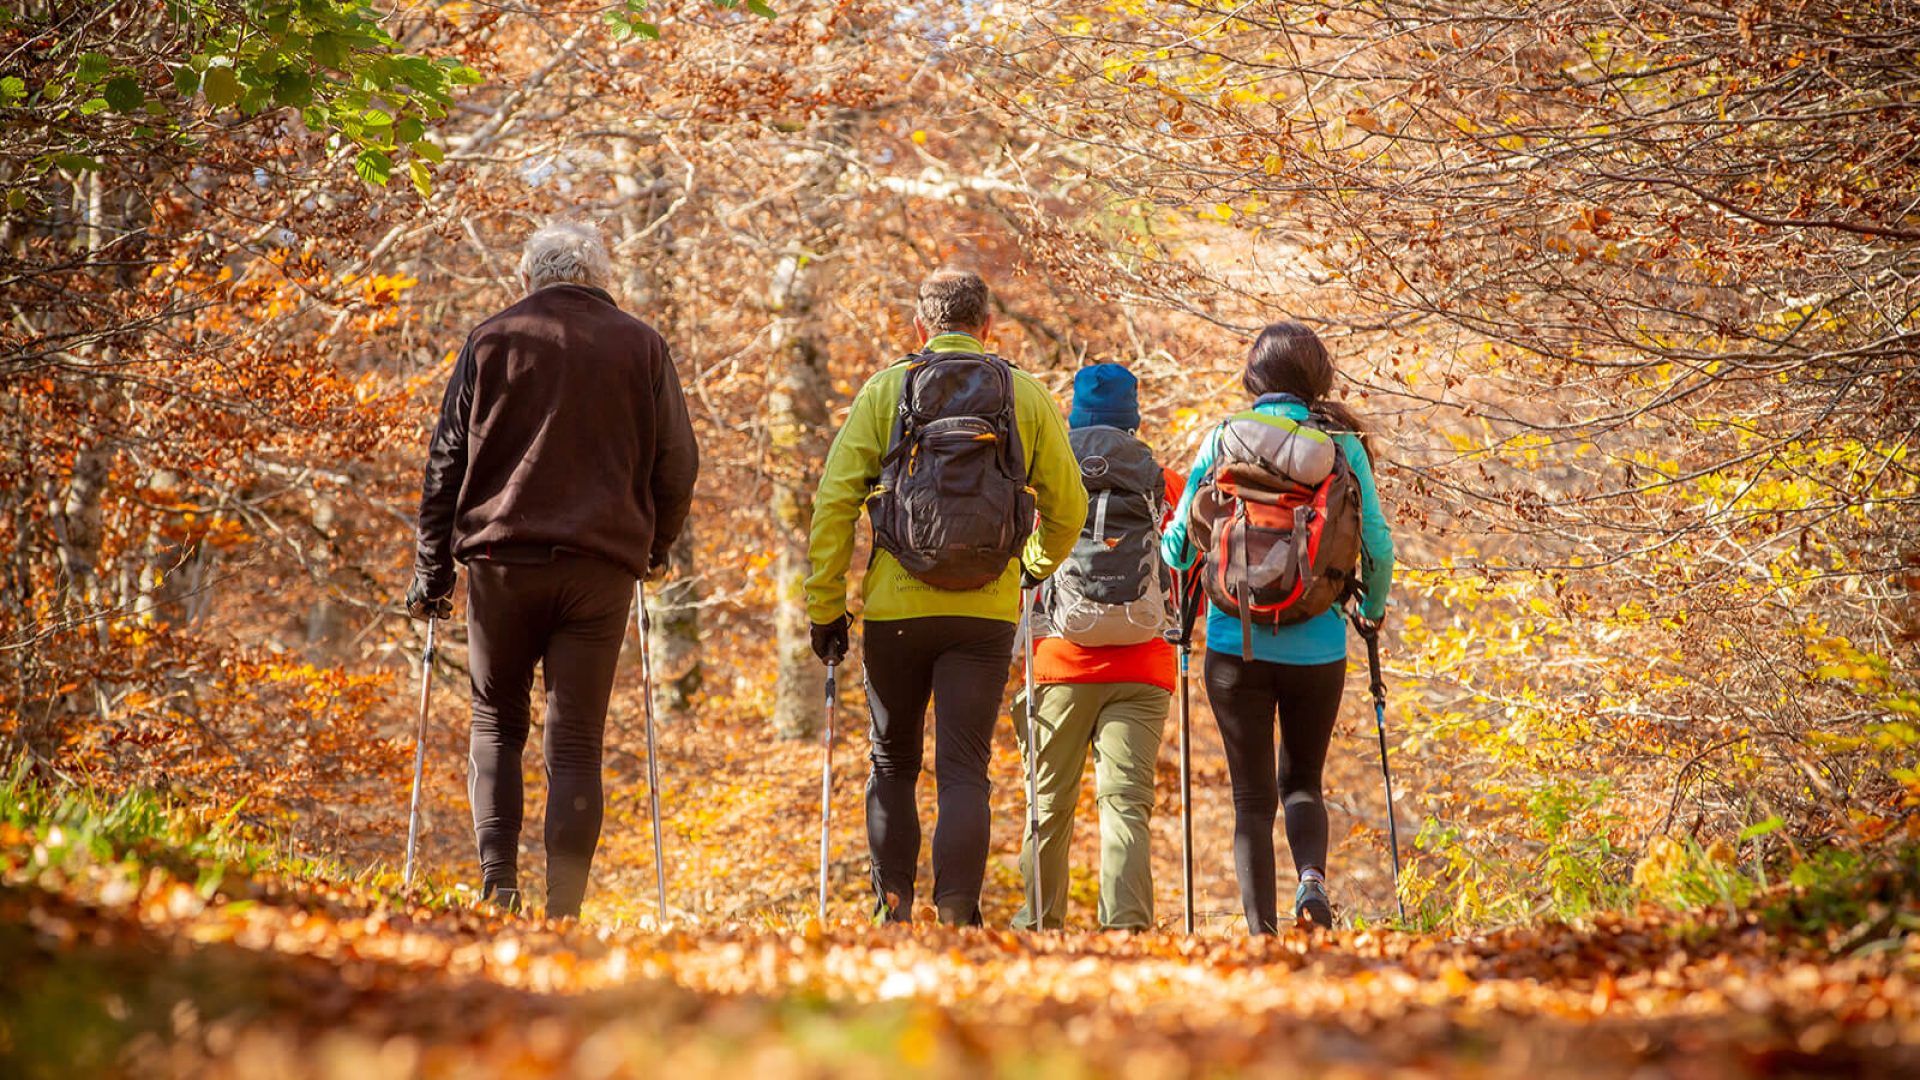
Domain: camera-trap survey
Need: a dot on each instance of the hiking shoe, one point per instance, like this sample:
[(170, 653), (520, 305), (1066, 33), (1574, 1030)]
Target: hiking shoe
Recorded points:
[(888, 909), (503, 900), (1310, 901), (960, 915)]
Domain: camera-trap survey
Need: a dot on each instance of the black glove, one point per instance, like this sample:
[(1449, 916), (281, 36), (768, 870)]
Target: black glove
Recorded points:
[(422, 606), (1368, 628), (830, 640), (657, 570)]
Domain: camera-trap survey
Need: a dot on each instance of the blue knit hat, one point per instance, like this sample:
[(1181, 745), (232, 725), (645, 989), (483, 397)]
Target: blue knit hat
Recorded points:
[(1105, 394)]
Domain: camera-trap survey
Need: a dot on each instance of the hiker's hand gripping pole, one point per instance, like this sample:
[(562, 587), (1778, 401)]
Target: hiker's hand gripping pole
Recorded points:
[(1369, 631), (419, 755), (653, 757)]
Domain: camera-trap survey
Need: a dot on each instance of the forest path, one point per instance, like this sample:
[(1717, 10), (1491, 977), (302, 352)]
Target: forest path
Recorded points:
[(145, 976), (122, 967)]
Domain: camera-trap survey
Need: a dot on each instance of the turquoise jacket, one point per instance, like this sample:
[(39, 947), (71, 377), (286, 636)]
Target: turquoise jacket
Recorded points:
[(1323, 638)]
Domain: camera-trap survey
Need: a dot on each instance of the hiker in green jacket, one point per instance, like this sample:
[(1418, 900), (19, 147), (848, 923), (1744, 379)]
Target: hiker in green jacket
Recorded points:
[(952, 482)]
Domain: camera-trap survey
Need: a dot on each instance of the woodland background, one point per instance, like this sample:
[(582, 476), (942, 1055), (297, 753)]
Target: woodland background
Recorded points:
[(1628, 293)]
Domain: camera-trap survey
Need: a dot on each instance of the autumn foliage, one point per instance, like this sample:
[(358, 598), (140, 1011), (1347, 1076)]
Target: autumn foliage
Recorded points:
[(1626, 293)]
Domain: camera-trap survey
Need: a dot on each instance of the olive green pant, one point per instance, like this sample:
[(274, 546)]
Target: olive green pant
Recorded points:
[(1122, 724)]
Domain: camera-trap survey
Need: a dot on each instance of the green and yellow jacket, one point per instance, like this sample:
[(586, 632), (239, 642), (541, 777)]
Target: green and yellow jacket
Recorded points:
[(853, 467)]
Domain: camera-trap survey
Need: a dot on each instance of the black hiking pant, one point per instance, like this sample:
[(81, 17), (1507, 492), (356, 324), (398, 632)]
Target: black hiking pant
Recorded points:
[(1246, 696), (568, 615), (961, 663)]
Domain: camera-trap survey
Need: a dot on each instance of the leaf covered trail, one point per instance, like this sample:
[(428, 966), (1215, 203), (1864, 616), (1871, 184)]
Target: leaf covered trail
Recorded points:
[(316, 980)]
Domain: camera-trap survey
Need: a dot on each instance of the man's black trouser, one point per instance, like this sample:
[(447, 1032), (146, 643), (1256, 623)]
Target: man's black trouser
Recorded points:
[(568, 615), (1247, 696), (961, 663)]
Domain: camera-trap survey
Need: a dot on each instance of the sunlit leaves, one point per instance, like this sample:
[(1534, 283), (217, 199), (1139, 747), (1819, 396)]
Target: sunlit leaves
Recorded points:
[(630, 22), (373, 166), (332, 60), (221, 87)]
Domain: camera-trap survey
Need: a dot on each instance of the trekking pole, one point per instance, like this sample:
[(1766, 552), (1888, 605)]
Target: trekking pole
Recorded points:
[(653, 758), (826, 789), (1033, 759), (1379, 689), (419, 757), (1187, 611)]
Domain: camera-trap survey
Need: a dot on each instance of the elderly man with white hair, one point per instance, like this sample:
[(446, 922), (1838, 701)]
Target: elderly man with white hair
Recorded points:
[(560, 472)]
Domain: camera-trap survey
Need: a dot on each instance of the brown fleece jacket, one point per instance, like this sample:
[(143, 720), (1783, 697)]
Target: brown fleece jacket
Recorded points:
[(563, 426)]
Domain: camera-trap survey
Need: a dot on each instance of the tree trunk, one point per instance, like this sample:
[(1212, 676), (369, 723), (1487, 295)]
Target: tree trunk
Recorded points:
[(674, 632), (797, 418), (673, 637), (797, 428)]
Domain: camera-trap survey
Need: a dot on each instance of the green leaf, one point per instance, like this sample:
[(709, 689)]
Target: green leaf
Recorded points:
[(422, 176), (430, 151), (91, 68), (408, 130), (647, 30), (293, 88), (186, 80), (374, 167), (17, 199), (12, 88), (1761, 828), (256, 99), (377, 118), (76, 163), (221, 87), (330, 50), (618, 28), (94, 106), (124, 93), (760, 8)]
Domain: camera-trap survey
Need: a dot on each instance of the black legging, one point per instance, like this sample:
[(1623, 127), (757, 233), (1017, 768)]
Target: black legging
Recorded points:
[(1245, 696), (961, 663), (567, 616)]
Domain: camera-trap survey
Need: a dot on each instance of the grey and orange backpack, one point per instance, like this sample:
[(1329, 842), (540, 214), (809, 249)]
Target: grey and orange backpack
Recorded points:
[(1278, 522)]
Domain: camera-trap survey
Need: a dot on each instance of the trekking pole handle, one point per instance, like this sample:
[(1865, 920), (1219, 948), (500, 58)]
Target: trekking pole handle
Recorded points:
[(1370, 633)]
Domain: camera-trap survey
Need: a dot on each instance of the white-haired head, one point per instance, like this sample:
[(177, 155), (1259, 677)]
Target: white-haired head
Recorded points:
[(565, 253)]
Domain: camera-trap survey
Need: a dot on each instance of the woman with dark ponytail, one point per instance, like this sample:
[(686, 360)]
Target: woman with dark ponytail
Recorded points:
[(1292, 674)]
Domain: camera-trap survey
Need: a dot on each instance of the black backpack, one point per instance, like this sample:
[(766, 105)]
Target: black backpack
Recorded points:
[(1112, 590), (952, 502), (1278, 521)]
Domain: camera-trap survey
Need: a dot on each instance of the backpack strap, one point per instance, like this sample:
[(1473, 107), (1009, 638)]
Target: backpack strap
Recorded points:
[(1100, 517), (1245, 601), (905, 420)]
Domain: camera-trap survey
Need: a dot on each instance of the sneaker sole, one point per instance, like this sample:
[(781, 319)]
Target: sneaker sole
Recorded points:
[(1320, 914)]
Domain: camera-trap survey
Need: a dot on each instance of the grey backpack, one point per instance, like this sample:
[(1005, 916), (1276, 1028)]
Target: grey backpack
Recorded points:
[(1112, 589), (952, 502)]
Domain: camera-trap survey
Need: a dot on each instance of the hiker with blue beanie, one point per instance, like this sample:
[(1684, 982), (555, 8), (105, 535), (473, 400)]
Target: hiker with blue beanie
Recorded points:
[(1103, 670)]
